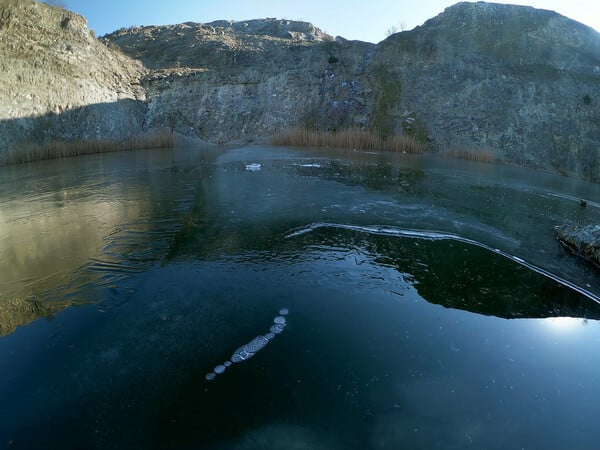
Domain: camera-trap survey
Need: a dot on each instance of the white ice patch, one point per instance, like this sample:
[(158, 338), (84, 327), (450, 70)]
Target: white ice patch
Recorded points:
[(254, 167)]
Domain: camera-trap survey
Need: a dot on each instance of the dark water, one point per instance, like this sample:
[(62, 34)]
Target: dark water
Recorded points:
[(429, 304)]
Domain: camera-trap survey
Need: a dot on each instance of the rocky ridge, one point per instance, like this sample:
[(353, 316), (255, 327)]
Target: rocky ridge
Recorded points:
[(517, 81), (243, 81), (57, 81)]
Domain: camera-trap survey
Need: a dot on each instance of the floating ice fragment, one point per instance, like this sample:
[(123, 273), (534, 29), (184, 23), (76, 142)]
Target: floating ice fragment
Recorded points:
[(254, 167), (284, 311), (227, 363), (210, 376), (269, 336), (279, 319), (219, 369)]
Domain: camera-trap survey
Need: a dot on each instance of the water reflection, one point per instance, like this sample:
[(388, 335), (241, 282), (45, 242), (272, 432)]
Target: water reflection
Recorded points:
[(564, 324), (67, 227), (46, 243), (460, 275), (391, 341)]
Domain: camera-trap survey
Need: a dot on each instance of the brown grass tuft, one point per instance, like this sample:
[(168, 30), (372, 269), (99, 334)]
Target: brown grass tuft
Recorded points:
[(157, 138), (353, 138), (471, 154), (406, 144)]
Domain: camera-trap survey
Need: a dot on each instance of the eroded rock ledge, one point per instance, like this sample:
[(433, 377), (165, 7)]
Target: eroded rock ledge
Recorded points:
[(582, 241)]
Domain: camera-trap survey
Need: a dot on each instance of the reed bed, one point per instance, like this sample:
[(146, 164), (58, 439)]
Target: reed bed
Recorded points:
[(158, 138), (471, 154), (352, 138)]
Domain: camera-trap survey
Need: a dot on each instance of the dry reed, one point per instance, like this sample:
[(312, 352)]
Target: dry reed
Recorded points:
[(471, 154), (157, 138), (353, 138)]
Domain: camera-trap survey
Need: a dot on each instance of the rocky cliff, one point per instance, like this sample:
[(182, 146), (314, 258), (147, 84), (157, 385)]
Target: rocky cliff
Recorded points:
[(520, 82), (239, 81), (57, 81)]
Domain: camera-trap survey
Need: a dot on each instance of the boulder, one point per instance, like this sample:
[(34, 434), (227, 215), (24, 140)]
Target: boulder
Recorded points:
[(582, 241)]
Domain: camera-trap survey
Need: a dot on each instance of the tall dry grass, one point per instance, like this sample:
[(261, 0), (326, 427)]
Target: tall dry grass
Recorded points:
[(353, 138), (158, 138), (470, 154)]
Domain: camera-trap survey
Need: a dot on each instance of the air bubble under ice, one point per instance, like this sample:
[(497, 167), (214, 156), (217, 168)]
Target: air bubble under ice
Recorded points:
[(256, 344), (248, 350), (277, 328)]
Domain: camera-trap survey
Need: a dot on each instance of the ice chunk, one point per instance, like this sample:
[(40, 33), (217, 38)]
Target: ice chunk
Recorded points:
[(254, 167)]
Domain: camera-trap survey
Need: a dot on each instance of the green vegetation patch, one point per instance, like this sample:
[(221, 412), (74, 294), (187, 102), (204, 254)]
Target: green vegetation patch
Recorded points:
[(414, 128), (388, 95)]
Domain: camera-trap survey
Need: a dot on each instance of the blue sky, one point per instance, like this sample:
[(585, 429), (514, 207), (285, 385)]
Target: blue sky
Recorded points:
[(352, 19)]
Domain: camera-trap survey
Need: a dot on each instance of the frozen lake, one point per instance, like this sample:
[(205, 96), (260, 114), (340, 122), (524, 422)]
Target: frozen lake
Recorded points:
[(294, 299)]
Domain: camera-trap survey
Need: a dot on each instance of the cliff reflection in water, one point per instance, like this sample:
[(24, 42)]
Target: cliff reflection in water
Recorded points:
[(45, 244), (463, 276), (70, 228), (67, 227)]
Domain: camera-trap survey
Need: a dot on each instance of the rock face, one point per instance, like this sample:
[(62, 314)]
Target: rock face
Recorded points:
[(521, 82), (57, 81), (240, 81), (582, 241)]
